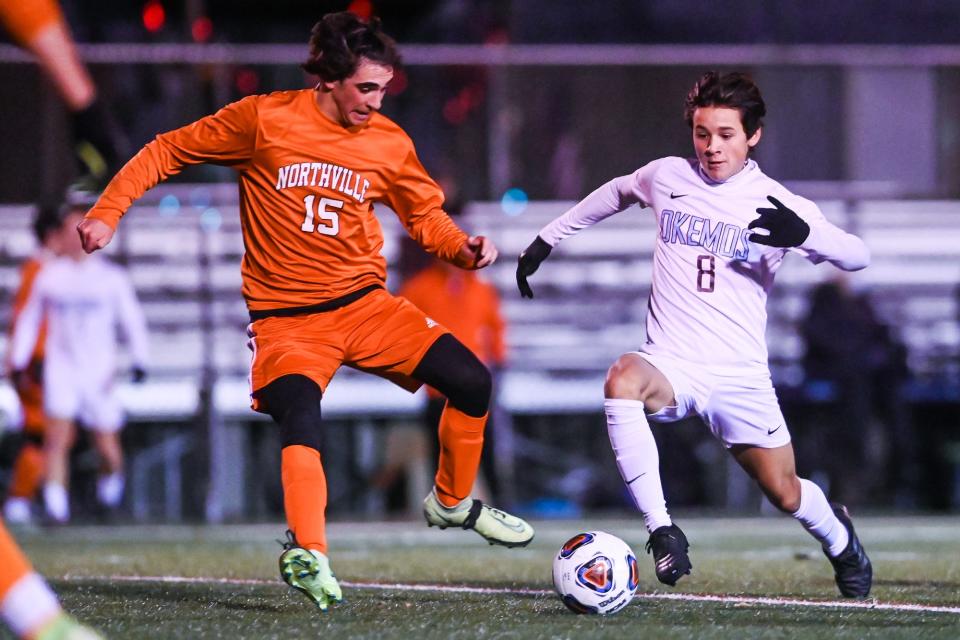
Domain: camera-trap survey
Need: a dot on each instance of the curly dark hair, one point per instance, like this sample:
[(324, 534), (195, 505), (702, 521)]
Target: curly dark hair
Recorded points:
[(736, 90), (340, 40)]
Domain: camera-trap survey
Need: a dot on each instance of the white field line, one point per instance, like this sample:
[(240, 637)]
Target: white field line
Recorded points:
[(442, 588)]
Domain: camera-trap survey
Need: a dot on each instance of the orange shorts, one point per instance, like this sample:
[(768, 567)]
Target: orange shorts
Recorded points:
[(25, 19), (380, 333)]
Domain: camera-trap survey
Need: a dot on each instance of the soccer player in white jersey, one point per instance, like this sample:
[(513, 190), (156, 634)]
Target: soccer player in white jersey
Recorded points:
[(85, 299), (705, 353)]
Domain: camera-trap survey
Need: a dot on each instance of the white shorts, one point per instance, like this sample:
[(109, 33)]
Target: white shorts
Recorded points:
[(90, 399), (738, 409)]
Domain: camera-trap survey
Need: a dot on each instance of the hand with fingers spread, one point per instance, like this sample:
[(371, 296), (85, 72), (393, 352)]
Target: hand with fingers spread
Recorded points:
[(478, 252), (784, 227), (529, 262)]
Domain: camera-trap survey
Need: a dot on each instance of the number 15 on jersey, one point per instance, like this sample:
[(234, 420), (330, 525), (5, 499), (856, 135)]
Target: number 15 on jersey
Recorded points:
[(329, 219)]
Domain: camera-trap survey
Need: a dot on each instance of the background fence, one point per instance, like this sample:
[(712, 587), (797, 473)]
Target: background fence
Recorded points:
[(518, 132)]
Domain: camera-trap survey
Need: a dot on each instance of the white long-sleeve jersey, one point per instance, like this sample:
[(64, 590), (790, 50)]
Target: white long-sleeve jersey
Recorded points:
[(710, 283), (84, 302)]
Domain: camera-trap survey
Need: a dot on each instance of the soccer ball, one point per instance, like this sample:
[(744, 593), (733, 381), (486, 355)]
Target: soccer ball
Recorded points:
[(595, 572)]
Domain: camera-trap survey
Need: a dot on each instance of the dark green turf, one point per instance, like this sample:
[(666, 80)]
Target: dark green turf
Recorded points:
[(915, 560)]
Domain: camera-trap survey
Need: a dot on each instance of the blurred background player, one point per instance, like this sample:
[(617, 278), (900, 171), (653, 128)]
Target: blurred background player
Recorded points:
[(469, 307), (39, 27), (28, 467), (705, 352), (84, 300), (864, 443), (27, 604), (311, 163)]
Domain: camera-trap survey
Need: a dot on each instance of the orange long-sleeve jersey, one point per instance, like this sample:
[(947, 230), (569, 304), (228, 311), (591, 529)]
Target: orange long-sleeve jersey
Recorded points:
[(307, 188)]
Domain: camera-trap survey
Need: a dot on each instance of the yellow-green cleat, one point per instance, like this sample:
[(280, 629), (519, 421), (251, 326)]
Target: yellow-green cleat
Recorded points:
[(494, 525), (308, 571)]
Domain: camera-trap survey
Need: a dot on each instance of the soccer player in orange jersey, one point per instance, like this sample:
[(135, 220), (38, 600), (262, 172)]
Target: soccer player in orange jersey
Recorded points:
[(311, 163), (27, 605), (470, 308), (28, 468)]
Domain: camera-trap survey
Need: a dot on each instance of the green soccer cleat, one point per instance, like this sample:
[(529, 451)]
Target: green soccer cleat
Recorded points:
[(63, 627), (308, 571), (494, 525)]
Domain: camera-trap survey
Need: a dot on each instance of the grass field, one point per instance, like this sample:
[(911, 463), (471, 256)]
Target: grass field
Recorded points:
[(403, 580)]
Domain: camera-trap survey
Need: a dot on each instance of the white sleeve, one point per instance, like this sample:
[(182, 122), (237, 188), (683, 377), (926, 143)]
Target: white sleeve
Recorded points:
[(133, 321), (26, 331), (613, 197), (829, 243)]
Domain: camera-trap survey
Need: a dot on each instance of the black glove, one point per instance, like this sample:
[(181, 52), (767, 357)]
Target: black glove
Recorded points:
[(138, 375), (529, 262), (786, 228)]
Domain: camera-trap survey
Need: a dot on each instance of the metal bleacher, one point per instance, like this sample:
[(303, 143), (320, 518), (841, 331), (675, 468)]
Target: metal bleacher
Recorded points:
[(591, 294), (590, 306)]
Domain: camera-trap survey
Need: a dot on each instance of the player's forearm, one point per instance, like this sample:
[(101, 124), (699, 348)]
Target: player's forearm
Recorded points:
[(155, 162), (827, 243), (439, 235), (611, 198)]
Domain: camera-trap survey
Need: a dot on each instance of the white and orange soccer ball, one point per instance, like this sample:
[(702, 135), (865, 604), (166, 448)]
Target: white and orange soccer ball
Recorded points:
[(595, 572)]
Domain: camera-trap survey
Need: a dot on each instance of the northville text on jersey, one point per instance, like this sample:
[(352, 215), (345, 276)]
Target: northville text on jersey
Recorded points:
[(325, 176)]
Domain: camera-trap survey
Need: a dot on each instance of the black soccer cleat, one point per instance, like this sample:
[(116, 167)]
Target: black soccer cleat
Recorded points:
[(854, 573), (670, 558)]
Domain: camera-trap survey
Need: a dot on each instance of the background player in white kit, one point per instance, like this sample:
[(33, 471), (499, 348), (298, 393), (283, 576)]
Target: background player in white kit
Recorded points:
[(705, 353), (84, 299)]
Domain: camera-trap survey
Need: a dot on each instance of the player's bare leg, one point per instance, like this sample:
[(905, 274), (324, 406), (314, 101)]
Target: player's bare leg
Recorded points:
[(634, 387), (58, 57), (98, 140), (57, 442), (775, 472)]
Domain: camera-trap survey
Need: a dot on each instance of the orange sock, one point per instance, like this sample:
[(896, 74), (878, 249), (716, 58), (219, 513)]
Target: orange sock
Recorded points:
[(27, 472), (305, 495), (13, 564), (461, 441)]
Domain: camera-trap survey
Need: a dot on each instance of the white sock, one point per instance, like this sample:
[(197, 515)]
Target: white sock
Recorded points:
[(56, 501), (16, 510), (637, 458), (28, 604), (110, 489), (818, 518)]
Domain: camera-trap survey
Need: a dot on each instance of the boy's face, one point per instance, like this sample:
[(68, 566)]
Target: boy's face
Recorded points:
[(359, 96), (721, 143)]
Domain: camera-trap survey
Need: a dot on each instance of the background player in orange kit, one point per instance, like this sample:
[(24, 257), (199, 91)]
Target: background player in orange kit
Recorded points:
[(470, 308), (311, 163), (28, 468)]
